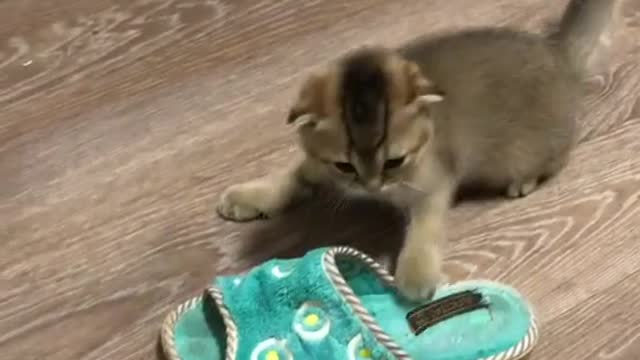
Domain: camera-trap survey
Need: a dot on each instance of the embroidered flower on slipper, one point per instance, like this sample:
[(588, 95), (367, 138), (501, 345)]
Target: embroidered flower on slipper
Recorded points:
[(356, 349), (271, 349), (311, 322)]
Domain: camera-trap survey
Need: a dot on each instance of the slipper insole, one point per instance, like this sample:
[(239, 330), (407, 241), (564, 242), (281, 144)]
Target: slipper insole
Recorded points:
[(471, 335), (200, 333)]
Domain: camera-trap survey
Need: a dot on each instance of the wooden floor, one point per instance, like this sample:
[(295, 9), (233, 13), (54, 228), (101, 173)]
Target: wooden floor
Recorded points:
[(122, 120)]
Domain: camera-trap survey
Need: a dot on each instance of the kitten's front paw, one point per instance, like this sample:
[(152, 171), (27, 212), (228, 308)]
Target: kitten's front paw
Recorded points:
[(240, 203), (519, 189), (418, 273)]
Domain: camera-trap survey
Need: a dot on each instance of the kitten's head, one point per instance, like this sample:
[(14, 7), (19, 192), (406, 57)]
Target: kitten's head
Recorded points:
[(364, 122)]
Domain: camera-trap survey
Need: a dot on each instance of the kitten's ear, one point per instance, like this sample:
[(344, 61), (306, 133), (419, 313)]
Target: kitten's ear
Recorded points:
[(421, 90), (305, 122), (430, 99), (310, 100), (425, 102), (418, 84)]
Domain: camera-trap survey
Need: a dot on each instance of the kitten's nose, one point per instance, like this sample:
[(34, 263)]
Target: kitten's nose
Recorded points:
[(373, 184)]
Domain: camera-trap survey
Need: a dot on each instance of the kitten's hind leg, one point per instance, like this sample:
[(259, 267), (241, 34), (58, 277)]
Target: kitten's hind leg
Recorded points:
[(518, 189), (524, 187), (260, 198)]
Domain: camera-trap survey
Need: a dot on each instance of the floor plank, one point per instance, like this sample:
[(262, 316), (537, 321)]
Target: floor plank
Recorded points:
[(120, 122), (604, 326)]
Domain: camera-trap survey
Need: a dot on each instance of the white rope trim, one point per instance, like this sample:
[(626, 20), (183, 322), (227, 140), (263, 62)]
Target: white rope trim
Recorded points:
[(521, 349), (231, 329), (516, 352), (345, 290), (167, 335)]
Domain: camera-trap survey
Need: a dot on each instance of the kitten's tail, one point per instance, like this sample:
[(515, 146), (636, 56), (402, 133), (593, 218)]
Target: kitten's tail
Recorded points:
[(585, 32)]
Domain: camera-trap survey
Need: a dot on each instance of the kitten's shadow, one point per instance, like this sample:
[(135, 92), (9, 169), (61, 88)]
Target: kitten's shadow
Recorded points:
[(477, 193), (371, 226)]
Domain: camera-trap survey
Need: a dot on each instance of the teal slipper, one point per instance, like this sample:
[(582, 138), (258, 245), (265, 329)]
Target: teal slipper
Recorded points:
[(337, 303)]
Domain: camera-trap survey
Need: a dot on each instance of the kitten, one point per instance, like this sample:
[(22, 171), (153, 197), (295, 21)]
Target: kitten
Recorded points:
[(490, 106)]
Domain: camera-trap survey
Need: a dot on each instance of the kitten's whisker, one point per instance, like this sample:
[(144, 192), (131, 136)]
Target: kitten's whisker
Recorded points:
[(335, 207), (413, 187), (339, 206)]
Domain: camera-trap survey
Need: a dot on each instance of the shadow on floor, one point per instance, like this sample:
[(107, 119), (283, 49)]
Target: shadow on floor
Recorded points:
[(372, 226), (328, 219)]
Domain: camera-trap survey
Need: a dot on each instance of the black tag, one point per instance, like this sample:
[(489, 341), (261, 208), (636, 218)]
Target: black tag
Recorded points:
[(442, 309)]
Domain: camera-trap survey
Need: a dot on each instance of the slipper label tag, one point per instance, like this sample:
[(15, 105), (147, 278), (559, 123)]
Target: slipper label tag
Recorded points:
[(442, 309)]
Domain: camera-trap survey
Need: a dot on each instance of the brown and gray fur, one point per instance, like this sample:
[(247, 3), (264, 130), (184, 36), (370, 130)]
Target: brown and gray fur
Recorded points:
[(486, 106)]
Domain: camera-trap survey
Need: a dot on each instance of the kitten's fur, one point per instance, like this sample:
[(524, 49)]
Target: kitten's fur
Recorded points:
[(489, 106)]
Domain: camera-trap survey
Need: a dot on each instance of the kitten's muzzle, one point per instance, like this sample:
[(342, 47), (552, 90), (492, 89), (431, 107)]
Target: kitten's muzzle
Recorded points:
[(372, 185)]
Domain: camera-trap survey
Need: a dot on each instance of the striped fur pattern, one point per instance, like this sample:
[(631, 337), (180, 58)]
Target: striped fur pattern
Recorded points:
[(516, 352)]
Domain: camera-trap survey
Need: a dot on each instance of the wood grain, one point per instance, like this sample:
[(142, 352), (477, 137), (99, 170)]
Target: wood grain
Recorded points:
[(121, 121)]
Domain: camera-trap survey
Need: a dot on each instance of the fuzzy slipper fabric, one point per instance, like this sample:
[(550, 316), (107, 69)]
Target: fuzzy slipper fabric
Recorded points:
[(337, 303)]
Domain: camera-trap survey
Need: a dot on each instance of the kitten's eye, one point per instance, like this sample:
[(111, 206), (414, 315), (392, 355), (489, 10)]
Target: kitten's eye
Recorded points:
[(393, 163), (345, 167)]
